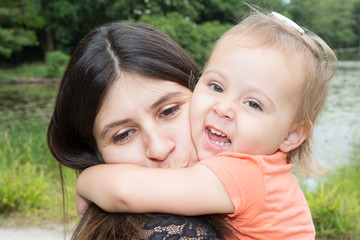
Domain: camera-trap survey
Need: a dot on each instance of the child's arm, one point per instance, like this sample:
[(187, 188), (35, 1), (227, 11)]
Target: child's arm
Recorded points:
[(131, 188)]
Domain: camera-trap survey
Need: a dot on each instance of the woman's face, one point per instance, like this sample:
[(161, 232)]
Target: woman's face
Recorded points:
[(146, 122)]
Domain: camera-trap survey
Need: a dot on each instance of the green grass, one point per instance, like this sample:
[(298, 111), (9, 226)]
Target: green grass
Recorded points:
[(24, 70), (29, 177), (53, 67), (335, 204)]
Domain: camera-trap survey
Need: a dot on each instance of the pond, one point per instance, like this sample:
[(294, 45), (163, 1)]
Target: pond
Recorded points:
[(24, 102), (334, 134), (339, 125)]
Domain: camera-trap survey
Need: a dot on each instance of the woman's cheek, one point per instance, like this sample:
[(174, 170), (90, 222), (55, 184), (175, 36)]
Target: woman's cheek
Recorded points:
[(116, 154)]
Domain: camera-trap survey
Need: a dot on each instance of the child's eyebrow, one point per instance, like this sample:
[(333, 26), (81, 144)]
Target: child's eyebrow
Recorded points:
[(214, 72)]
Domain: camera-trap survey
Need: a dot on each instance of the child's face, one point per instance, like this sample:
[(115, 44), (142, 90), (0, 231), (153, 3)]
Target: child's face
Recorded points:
[(245, 101)]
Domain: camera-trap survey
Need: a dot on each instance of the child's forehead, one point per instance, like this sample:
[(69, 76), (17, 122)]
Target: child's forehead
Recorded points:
[(231, 44), (236, 41)]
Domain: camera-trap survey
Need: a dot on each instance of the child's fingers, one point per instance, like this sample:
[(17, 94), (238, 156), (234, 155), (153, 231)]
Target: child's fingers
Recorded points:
[(81, 204)]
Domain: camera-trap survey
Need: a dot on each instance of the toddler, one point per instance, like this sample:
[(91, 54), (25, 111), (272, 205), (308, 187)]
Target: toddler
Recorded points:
[(252, 115)]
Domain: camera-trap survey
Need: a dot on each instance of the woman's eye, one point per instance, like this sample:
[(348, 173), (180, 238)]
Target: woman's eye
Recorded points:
[(254, 105), (169, 112), (216, 88), (123, 137)]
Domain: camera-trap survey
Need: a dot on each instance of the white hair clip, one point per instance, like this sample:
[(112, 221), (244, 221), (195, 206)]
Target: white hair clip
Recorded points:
[(288, 21)]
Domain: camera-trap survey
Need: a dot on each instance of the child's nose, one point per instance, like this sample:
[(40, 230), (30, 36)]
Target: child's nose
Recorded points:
[(225, 110)]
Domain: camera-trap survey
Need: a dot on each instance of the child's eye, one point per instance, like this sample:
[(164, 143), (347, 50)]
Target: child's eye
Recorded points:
[(254, 105), (124, 136), (216, 88), (169, 112)]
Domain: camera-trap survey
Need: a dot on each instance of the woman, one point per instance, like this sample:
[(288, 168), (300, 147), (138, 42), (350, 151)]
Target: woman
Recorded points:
[(124, 99)]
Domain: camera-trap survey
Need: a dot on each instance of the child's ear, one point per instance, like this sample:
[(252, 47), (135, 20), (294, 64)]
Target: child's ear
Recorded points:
[(297, 136)]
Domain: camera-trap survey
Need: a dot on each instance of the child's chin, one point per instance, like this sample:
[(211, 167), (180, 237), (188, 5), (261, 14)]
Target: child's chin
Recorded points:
[(205, 154)]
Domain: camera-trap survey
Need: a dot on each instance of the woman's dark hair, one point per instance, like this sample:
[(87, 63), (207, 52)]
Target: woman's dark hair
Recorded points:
[(98, 60)]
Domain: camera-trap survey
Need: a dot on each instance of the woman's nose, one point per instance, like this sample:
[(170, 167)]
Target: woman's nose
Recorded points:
[(158, 145), (224, 109)]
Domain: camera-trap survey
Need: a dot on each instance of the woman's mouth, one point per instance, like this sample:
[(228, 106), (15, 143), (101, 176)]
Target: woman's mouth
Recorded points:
[(217, 137)]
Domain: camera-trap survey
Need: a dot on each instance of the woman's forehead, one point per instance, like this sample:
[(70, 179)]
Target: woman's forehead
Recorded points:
[(130, 92), (139, 84)]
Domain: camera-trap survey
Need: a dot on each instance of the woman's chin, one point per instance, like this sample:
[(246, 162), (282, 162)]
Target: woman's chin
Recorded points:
[(177, 164)]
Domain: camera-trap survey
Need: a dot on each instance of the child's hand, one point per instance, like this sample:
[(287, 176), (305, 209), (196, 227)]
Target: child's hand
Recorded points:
[(82, 204)]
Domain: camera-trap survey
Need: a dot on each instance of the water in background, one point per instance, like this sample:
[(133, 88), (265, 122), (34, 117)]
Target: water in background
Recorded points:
[(20, 102), (339, 125)]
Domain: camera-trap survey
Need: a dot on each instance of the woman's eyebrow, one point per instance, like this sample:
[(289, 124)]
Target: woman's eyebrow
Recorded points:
[(161, 100), (112, 125), (165, 98)]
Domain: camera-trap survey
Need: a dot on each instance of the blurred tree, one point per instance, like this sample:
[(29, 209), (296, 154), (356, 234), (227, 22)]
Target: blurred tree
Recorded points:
[(60, 24), (231, 11), (60, 19), (197, 39), (18, 19), (138, 8), (356, 14), (333, 20)]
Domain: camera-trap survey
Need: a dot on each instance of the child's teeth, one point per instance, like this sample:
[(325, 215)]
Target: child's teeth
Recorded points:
[(217, 132), (220, 143)]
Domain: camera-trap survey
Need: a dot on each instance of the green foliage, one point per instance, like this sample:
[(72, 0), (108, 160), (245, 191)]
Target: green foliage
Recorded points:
[(22, 187), (333, 20), (335, 205), (197, 39), (62, 20), (231, 11), (23, 136), (24, 70), (210, 32), (16, 17), (62, 23), (21, 13), (13, 40), (56, 62), (29, 179), (23, 184)]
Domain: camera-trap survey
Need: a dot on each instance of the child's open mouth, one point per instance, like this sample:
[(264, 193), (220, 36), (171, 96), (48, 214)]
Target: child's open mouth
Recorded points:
[(217, 137)]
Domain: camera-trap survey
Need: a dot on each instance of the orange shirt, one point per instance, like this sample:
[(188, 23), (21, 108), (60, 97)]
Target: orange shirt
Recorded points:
[(268, 201)]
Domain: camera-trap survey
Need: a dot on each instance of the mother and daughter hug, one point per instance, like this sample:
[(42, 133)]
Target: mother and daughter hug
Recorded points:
[(227, 149)]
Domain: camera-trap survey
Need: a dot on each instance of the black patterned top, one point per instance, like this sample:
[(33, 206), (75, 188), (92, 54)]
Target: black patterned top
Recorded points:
[(175, 227)]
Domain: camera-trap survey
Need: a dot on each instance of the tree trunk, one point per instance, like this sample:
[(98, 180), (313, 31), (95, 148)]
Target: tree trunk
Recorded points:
[(48, 42)]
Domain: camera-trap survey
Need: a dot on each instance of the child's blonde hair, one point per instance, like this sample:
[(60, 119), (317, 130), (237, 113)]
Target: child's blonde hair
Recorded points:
[(319, 66)]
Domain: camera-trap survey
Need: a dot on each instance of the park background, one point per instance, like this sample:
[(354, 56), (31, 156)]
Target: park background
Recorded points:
[(38, 36)]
